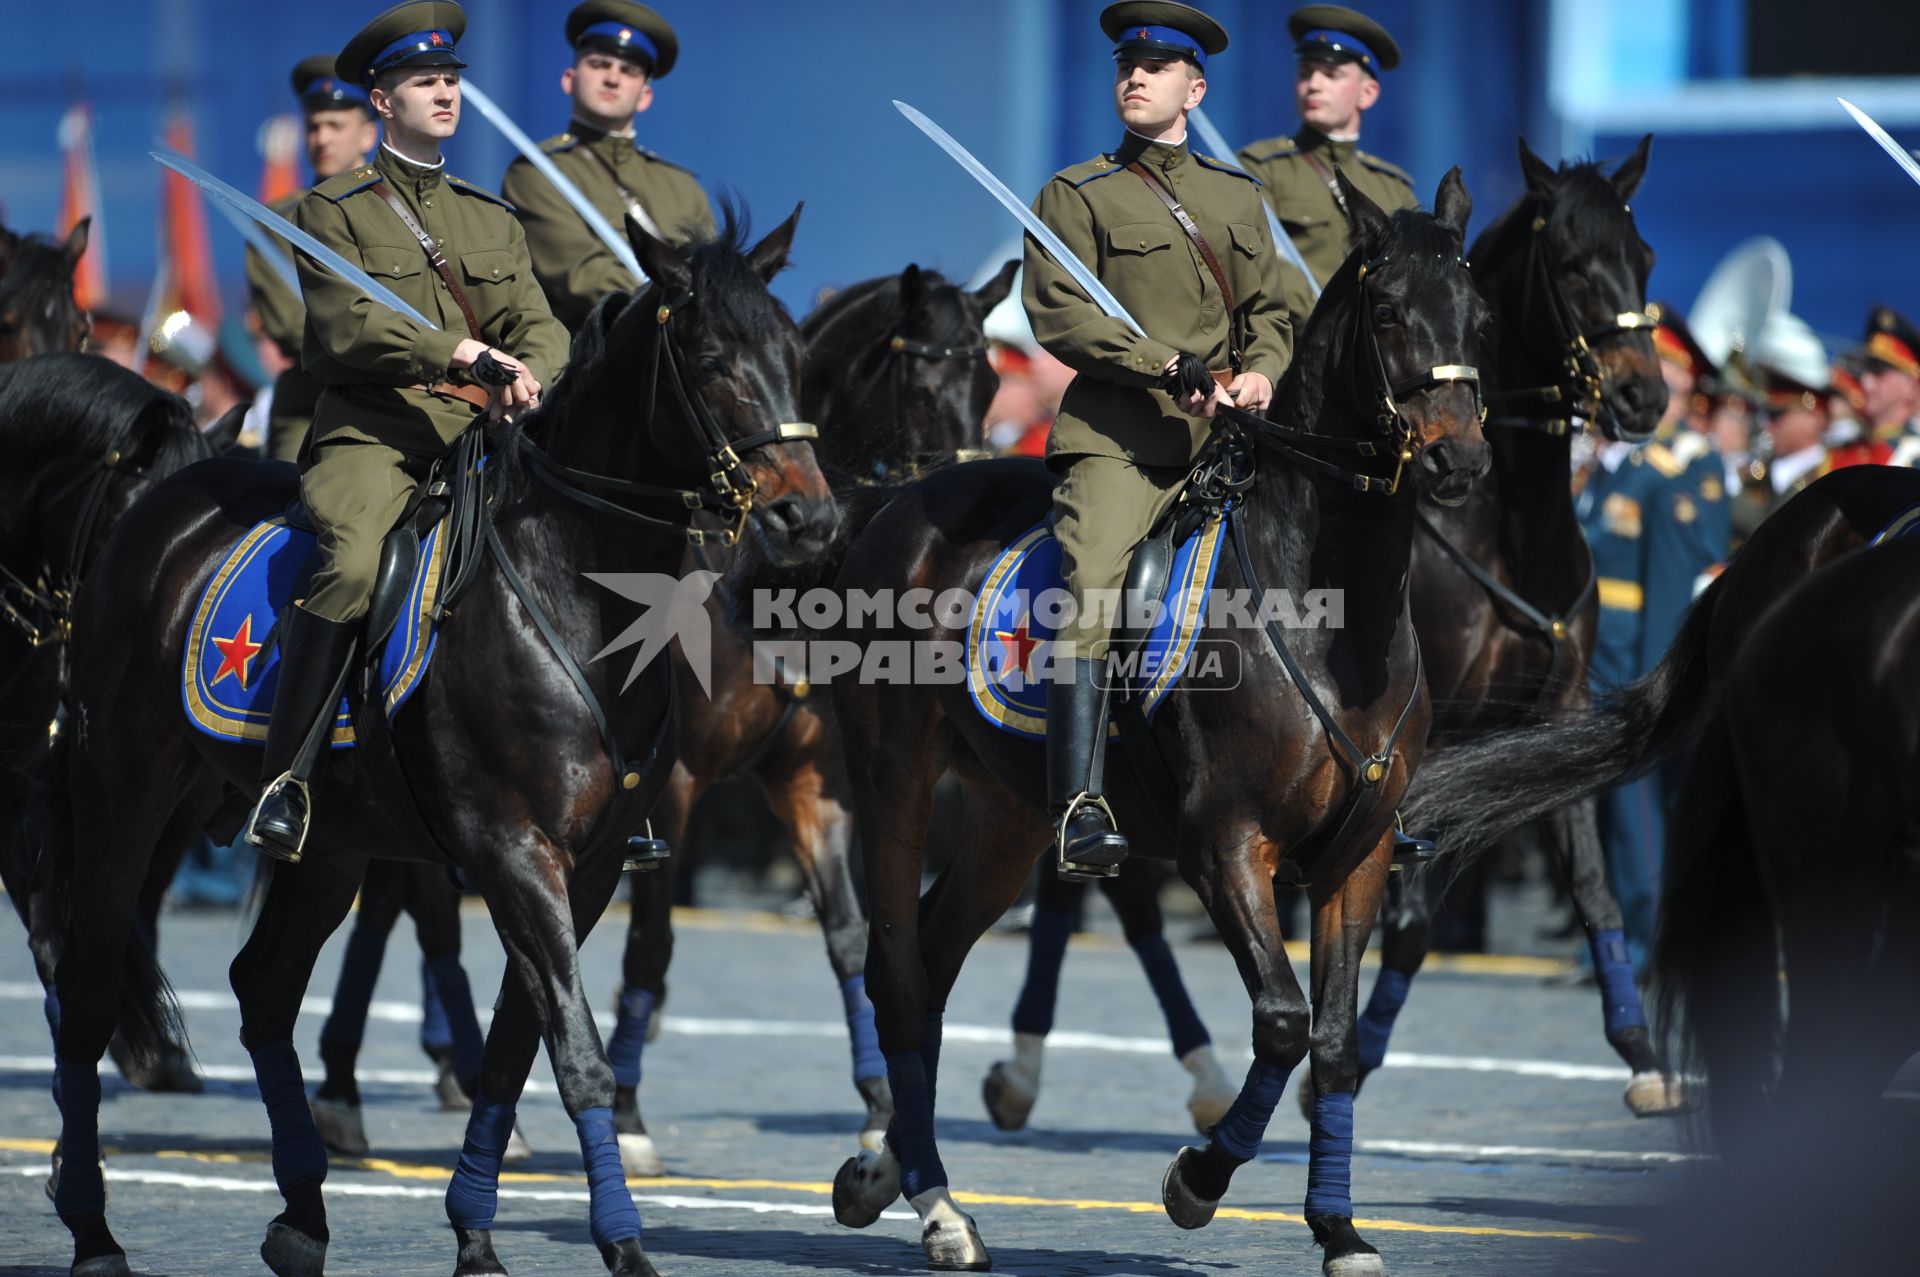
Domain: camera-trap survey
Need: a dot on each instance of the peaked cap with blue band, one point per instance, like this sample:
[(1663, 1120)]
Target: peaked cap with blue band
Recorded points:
[(420, 33), (1162, 31), (1335, 31), (321, 88), (627, 30)]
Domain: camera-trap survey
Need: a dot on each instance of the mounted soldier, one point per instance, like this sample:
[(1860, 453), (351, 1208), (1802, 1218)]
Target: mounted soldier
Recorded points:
[(1180, 239), (395, 394), (1340, 56), (620, 49), (1891, 382), (340, 134)]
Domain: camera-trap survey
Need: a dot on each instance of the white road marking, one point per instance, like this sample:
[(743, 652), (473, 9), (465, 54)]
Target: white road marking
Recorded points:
[(1499, 1151)]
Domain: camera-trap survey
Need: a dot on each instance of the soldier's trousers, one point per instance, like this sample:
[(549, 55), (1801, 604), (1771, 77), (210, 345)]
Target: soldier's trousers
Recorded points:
[(295, 393), (355, 492), (1633, 830), (1103, 509)]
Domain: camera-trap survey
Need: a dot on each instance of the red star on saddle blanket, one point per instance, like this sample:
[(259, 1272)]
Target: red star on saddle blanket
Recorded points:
[(237, 653), (1019, 649)]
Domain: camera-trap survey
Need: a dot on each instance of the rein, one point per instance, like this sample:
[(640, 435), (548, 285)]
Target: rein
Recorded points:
[(42, 611), (1581, 391)]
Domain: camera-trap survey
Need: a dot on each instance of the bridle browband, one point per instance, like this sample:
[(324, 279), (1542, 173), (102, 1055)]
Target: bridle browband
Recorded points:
[(893, 364), (730, 488), (1581, 391), (1380, 395)]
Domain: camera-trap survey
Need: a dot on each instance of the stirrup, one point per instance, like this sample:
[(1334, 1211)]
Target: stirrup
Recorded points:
[(1408, 851), (1073, 870), (274, 850), (645, 852)]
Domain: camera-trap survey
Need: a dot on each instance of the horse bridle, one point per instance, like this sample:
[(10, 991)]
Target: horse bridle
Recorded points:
[(1382, 397), (42, 611), (893, 362), (1553, 408), (731, 487)]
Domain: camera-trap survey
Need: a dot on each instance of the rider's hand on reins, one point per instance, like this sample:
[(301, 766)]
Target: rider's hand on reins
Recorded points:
[(1193, 388), (1251, 391)]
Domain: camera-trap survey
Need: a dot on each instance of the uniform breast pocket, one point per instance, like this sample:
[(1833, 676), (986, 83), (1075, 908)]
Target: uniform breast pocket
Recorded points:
[(491, 266), (1247, 239), (383, 262), (1298, 224), (1138, 240)]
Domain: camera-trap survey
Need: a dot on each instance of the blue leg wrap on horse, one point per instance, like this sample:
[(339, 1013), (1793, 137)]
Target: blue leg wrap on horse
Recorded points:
[(359, 970), (912, 1133), (76, 1087), (630, 1036), (456, 999), (614, 1217), (435, 1034), (475, 1188), (867, 1060), (1240, 1131), (931, 1031), (1618, 995), (299, 1158), (1163, 974), (1330, 1156), (1046, 950), (1383, 1008)]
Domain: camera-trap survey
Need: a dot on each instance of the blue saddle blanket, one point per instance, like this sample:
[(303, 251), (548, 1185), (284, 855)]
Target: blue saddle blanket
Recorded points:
[(228, 679), (1007, 640), (1905, 524)]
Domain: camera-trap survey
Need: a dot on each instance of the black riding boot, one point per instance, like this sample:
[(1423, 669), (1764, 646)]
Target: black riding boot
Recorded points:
[(1088, 845), (313, 655)]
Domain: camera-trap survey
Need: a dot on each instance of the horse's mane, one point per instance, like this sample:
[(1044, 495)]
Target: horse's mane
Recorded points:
[(73, 404), (37, 276)]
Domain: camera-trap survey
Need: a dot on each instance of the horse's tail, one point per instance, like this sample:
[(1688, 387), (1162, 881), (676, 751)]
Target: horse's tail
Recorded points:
[(1469, 795), (37, 860), (751, 581), (1714, 960)]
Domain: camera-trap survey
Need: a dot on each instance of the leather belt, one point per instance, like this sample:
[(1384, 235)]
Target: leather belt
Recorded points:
[(1188, 225)]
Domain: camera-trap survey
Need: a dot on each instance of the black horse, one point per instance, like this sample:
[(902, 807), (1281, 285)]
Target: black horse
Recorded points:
[(518, 755), (898, 381), (1718, 908), (1270, 780), (38, 312), (83, 439)]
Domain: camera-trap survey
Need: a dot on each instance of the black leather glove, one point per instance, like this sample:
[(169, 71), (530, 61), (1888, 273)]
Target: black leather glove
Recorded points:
[(1189, 377), (489, 371)]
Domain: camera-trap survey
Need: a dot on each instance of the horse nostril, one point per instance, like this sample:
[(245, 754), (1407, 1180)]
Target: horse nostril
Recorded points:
[(785, 514)]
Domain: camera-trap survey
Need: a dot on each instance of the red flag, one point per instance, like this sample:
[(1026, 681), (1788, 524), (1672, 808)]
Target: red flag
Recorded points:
[(80, 198), (279, 140), (189, 251)]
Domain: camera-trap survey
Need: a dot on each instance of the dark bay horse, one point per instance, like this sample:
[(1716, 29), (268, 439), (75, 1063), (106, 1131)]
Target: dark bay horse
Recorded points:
[(897, 379), (82, 438), (1270, 779), (38, 313), (516, 753)]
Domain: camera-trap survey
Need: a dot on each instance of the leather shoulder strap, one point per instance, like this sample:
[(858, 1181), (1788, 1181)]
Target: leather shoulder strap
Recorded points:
[(1192, 229), (1326, 175), (627, 197), (435, 258)]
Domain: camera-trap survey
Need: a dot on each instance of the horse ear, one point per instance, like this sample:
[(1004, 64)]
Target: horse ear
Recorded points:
[(913, 288), (663, 264), (995, 290), (1368, 222), (1539, 174), (1452, 206), (225, 432), (76, 246), (1626, 178), (769, 257)]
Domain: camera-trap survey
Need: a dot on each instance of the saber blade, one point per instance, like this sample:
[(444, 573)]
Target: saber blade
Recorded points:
[(1069, 262), (1288, 249), (257, 239), (1906, 162)]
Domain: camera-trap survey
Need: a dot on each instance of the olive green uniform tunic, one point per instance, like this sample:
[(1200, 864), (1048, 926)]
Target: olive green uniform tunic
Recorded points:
[(283, 318), (1121, 446), (1306, 206), (376, 429), (573, 266)]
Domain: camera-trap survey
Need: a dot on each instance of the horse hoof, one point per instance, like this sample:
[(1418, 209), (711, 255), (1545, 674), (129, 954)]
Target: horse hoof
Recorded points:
[(1010, 1095), (948, 1235), (291, 1253), (518, 1150), (476, 1254), (1651, 1094), (865, 1186), (447, 1087), (341, 1128), (1184, 1206), (639, 1157), (1213, 1091), (626, 1259), (102, 1266), (1354, 1266), (1344, 1253)]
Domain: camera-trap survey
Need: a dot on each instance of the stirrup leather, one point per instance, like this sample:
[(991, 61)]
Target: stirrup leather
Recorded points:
[(306, 825), (1073, 869)]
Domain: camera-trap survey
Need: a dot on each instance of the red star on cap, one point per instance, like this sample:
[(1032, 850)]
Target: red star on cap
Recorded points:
[(434, 38), (1142, 34), (1019, 650), (236, 653)]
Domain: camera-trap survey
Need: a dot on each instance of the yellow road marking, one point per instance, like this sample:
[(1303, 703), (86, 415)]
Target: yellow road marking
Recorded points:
[(414, 1170)]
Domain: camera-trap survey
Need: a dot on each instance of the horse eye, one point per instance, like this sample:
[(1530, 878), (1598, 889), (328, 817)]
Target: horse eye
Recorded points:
[(1383, 314), (713, 365)]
